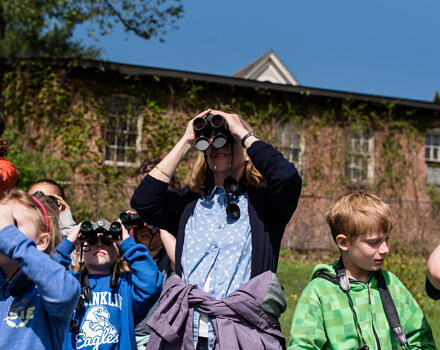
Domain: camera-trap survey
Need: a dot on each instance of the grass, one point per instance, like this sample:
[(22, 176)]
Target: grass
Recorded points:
[(294, 270)]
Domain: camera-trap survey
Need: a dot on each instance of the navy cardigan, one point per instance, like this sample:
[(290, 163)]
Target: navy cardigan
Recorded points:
[(270, 206)]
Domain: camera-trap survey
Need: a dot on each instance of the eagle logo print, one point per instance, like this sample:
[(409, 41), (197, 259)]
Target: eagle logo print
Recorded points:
[(96, 329)]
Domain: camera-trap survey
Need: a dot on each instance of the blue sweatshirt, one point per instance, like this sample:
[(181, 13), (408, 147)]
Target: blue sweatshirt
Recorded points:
[(109, 320), (38, 316)]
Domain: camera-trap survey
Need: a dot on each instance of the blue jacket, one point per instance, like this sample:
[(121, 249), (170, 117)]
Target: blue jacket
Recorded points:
[(38, 316), (109, 320), (270, 206)]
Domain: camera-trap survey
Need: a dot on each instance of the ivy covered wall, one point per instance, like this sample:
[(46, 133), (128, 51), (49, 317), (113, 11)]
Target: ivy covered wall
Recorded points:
[(56, 112)]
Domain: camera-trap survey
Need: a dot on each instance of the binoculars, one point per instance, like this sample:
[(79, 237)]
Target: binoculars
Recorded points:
[(110, 232), (128, 219), (204, 127)]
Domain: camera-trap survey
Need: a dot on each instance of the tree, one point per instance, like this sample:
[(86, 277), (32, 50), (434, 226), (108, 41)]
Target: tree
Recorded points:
[(46, 27), (436, 97)]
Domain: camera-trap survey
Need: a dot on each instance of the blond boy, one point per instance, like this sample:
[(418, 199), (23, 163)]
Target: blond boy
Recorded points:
[(331, 314)]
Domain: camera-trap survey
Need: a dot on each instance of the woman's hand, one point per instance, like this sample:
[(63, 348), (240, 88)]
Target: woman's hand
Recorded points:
[(234, 124), (190, 135)]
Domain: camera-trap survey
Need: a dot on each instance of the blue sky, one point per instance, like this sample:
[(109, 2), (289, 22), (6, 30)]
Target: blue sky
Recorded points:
[(379, 47)]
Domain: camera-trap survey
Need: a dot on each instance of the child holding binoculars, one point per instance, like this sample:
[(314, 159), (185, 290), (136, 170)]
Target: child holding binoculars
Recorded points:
[(113, 300), (37, 295)]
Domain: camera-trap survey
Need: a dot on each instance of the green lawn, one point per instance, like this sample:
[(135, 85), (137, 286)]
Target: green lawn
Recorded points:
[(294, 276)]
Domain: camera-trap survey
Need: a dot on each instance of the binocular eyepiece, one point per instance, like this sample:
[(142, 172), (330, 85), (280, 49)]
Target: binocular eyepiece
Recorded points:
[(110, 232), (128, 219), (204, 127)]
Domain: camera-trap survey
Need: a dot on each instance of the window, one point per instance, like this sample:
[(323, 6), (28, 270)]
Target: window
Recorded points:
[(432, 146), (122, 133), (360, 164), (291, 145), (432, 156)]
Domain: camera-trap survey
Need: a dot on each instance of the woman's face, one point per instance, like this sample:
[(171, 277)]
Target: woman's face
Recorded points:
[(219, 159)]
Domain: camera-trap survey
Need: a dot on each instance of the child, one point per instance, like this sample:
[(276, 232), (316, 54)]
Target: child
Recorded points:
[(336, 312), (53, 189), (37, 295), (107, 319)]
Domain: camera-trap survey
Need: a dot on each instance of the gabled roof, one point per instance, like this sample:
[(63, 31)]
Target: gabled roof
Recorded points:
[(267, 68)]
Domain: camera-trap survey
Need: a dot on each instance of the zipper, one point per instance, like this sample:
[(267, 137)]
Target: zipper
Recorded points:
[(372, 323)]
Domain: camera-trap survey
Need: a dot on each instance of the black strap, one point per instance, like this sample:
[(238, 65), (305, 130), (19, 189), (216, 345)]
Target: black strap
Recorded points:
[(342, 279), (385, 297), (390, 310)]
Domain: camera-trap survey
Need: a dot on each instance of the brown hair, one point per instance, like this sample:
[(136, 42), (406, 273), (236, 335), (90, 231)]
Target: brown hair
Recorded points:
[(26, 200), (197, 181), (359, 213)]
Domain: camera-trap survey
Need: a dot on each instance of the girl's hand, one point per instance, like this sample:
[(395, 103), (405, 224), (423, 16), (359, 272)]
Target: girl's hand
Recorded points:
[(125, 233), (190, 135), (234, 123), (6, 217), (73, 234)]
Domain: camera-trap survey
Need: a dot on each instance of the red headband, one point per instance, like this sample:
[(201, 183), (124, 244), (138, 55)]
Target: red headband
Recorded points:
[(44, 211)]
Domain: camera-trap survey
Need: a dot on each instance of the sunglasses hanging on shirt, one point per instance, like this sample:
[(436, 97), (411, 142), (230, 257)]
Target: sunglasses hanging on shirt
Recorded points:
[(231, 186)]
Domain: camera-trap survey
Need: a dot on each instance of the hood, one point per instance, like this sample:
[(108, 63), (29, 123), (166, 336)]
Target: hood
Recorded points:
[(328, 269)]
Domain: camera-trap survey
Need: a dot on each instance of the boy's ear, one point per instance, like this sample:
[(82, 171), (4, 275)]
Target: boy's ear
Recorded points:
[(342, 242), (43, 241)]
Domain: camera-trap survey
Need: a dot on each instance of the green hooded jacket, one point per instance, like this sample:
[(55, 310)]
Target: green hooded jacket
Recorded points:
[(323, 318)]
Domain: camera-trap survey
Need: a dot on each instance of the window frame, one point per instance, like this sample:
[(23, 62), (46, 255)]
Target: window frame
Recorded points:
[(362, 137), (137, 117), (432, 163), (286, 145)]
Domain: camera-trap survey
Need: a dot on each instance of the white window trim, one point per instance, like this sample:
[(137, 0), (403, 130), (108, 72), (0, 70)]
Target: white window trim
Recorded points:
[(431, 158), (284, 144), (367, 156), (138, 146)]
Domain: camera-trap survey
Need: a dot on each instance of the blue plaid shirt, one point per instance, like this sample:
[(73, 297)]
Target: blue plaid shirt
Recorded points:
[(217, 246)]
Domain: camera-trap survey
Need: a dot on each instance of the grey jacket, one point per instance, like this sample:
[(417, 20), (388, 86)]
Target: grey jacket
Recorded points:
[(246, 319)]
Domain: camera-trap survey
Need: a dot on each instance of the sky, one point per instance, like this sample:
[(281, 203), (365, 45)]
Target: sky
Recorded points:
[(380, 47)]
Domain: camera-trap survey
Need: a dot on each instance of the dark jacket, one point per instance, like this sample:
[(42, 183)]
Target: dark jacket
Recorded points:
[(271, 206), (246, 319)]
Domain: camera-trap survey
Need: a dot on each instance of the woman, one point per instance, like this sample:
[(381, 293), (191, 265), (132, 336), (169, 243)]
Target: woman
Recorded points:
[(214, 250)]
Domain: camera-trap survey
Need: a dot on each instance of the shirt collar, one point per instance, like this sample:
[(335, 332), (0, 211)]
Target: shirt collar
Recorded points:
[(218, 189)]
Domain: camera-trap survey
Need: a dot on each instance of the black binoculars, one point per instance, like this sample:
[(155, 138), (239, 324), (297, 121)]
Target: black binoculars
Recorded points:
[(204, 127), (110, 232), (128, 219)]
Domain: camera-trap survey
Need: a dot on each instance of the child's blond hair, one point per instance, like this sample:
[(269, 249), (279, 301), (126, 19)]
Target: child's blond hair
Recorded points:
[(26, 200), (359, 213)]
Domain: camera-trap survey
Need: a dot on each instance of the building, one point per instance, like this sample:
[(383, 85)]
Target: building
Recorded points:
[(89, 124)]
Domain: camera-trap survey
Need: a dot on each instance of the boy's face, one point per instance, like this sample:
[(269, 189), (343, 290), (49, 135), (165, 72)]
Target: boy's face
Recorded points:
[(364, 254), (143, 236), (100, 257)]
